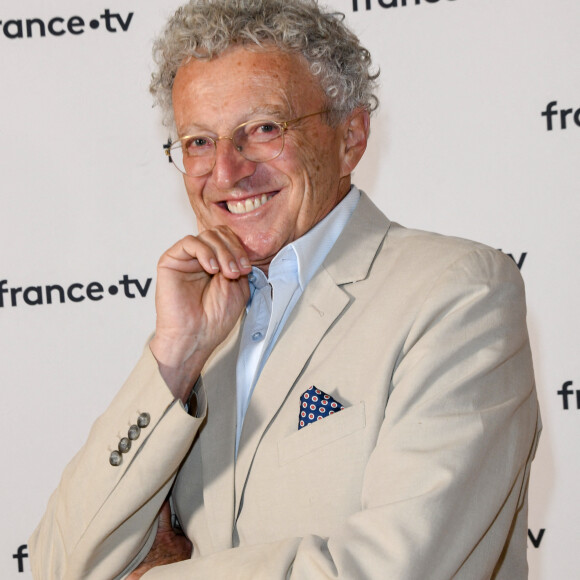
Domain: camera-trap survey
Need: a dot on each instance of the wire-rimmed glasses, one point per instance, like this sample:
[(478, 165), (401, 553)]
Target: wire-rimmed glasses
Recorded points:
[(259, 140)]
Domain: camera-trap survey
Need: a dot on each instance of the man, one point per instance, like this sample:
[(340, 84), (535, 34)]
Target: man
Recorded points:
[(409, 457)]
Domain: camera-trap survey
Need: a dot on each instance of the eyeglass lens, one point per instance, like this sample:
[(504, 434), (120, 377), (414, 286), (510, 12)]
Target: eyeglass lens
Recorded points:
[(257, 141)]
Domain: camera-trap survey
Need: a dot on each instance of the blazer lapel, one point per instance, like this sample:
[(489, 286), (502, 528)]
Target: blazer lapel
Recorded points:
[(322, 302), (319, 306), (351, 258)]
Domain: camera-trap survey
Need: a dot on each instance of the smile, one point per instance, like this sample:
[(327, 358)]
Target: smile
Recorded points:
[(247, 205)]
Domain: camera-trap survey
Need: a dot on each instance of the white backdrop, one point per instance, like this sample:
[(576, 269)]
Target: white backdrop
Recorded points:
[(88, 203)]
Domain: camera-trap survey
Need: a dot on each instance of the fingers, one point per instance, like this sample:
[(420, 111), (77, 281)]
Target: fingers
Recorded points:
[(168, 546), (223, 252), (215, 250), (165, 518)]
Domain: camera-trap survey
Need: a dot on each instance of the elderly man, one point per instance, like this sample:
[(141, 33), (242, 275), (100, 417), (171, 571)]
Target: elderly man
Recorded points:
[(327, 394)]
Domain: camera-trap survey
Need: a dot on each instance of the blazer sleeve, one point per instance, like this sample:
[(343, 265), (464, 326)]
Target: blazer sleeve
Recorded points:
[(102, 519), (445, 489)]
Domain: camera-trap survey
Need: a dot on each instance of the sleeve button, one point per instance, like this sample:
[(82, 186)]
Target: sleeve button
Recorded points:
[(124, 445), (115, 459), (143, 420), (134, 432)]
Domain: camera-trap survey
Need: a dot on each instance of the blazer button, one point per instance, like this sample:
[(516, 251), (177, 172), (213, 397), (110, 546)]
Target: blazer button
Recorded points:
[(143, 420), (115, 459), (124, 445), (134, 432)]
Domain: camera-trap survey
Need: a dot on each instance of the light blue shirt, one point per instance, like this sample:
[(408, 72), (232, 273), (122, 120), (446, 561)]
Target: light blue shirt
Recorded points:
[(272, 298)]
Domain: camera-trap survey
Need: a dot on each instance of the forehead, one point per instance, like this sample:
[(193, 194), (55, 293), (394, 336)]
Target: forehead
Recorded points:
[(242, 83)]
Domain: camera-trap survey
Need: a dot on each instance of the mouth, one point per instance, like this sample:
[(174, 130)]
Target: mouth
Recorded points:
[(249, 204)]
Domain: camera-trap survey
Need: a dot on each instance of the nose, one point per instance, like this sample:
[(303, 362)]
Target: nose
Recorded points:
[(230, 165)]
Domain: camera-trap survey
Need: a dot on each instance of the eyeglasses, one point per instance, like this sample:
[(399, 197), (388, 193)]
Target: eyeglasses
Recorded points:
[(257, 141)]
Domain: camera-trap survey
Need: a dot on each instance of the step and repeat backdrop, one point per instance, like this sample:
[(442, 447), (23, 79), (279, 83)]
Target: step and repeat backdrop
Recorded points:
[(478, 135)]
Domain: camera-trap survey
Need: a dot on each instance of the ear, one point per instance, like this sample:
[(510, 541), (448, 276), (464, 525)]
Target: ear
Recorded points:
[(356, 130)]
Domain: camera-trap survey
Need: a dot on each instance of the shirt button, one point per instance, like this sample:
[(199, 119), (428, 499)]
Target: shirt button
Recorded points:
[(252, 278), (257, 336), (115, 459)]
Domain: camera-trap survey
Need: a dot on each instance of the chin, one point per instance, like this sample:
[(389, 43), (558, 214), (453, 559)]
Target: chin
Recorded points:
[(260, 247), (260, 257)]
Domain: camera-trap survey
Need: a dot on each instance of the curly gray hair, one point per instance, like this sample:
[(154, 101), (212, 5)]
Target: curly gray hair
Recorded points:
[(204, 29)]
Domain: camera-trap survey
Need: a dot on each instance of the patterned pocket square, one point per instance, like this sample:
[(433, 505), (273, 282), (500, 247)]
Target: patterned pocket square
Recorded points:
[(315, 405)]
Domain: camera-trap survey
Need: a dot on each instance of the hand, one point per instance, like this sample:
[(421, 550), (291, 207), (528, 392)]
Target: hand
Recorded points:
[(168, 546), (202, 288)]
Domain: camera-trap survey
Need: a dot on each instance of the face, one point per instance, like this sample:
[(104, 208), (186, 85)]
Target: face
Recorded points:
[(268, 204)]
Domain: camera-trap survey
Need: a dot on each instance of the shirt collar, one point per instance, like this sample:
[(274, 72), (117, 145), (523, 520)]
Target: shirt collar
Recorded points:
[(313, 247)]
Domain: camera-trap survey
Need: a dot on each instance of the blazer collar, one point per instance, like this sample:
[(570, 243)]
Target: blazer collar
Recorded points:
[(351, 257)]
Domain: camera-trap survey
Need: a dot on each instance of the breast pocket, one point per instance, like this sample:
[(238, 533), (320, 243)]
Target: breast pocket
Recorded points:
[(321, 433)]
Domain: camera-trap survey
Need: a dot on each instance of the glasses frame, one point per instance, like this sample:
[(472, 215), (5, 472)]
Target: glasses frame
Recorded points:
[(283, 125)]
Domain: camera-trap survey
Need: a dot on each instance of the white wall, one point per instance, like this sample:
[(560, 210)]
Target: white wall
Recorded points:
[(459, 146)]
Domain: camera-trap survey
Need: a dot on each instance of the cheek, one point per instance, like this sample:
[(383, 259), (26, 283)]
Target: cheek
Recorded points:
[(320, 173), (305, 163), (194, 191), (312, 165), (202, 216)]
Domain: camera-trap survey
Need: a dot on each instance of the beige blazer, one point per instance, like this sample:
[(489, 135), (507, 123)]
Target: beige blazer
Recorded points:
[(423, 475)]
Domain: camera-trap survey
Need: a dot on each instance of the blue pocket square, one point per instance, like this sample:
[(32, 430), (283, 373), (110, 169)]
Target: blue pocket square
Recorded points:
[(315, 405)]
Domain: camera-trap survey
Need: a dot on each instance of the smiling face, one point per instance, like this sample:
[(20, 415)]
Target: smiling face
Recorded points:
[(269, 204)]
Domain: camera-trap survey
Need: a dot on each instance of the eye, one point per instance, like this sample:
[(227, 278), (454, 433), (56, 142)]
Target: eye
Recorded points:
[(197, 145), (267, 128), (262, 131)]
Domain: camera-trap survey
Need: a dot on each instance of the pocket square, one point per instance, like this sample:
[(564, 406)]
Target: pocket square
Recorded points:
[(315, 405)]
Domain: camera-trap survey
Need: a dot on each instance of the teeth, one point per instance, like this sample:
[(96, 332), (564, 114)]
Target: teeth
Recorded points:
[(249, 204)]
